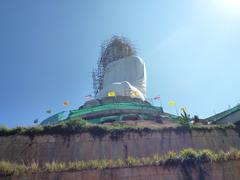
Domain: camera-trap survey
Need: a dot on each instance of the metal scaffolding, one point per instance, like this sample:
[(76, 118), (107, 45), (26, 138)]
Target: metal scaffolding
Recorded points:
[(116, 48)]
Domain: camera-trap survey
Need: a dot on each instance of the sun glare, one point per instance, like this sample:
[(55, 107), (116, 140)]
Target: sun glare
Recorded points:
[(233, 2), (228, 7)]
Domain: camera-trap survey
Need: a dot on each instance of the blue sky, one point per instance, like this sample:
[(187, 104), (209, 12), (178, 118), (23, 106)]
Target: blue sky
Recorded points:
[(48, 49)]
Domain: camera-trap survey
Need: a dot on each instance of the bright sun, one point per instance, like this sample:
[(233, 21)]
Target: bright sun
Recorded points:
[(229, 7), (232, 2)]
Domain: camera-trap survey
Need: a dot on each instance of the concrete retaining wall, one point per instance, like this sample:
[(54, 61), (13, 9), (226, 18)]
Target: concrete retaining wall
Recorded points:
[(49, 148)]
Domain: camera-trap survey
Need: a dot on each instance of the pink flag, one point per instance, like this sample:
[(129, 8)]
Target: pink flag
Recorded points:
[(157, 98), (88, 97)]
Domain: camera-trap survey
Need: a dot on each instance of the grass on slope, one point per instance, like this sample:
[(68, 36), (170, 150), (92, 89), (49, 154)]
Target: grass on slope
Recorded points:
[(81, 126), (188, 157)]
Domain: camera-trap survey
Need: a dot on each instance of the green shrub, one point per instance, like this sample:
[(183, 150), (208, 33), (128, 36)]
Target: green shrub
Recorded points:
[(186, 157), (184, 119), (8, 168), (131, 161), (188, 154), (171, 159), (55, 166), (3, 130), (221, 156), (69, 127), (207, 155), (77, 165)]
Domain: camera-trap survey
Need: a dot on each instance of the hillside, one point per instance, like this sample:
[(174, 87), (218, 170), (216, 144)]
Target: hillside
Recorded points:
[(125, 151)]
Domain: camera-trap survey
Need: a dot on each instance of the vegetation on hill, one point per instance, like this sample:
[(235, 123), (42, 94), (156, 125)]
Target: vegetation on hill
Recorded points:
[(115, 131), (184, 119), (187, 157)]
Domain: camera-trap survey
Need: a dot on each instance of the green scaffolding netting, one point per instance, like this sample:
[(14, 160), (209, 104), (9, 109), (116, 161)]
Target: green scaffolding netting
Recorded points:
[(112, 106), (54, 119)]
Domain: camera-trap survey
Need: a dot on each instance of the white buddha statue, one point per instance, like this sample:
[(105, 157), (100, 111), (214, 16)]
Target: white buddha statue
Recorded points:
[(120, 72), (125, 77)]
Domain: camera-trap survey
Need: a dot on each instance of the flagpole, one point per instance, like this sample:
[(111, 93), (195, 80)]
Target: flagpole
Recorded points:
[(176, 110)]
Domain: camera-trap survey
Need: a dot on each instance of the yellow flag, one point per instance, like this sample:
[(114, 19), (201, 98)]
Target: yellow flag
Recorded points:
[(172, 103), (111, 94)]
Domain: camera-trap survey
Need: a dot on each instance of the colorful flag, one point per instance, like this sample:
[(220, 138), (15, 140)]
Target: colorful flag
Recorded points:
[(172, 103), (111, 94), (156, 98), (66, 103), (35, 121), (88, 97), (49, 111)]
